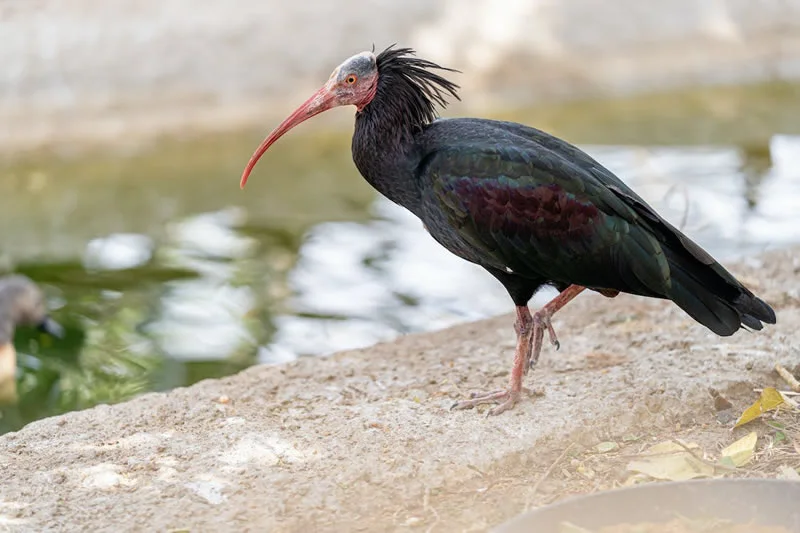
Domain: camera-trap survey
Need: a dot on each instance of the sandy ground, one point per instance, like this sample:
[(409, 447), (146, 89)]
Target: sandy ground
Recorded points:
[(364, 440)]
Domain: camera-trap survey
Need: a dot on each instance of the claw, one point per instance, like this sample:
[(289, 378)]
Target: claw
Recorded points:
[(542, 318)]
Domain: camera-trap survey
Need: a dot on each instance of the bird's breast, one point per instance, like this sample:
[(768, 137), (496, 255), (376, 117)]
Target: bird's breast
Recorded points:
[(437, 225)]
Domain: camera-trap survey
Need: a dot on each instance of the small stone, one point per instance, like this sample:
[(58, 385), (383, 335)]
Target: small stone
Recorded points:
[(417, 395)]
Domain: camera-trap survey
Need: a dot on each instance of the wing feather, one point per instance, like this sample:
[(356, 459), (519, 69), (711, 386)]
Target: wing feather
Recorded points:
[(541, 215)]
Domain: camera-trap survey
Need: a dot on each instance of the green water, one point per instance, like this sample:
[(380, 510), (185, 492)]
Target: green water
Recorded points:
[(165, 273)]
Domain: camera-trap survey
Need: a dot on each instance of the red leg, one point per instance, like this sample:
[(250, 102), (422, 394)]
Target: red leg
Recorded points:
[(524, 328), (530, 334), (543, 315)]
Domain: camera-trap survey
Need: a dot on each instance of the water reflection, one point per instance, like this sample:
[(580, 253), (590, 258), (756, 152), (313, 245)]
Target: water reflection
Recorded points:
[(204, 318), (212, 292), (119, 251), (357, 284)]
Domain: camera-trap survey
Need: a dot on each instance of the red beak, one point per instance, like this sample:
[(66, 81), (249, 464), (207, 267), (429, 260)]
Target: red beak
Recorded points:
[(320, 101)]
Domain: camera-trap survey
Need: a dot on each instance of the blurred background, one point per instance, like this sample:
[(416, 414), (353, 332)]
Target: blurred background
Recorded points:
[(125, 124)]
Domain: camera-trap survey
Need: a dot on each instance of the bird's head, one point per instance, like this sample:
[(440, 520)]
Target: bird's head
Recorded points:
[(22, 303), (354, 82)]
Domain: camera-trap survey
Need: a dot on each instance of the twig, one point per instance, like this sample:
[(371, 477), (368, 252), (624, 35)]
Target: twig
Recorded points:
[(784, 392), (549, 471), (685, 217), (703, 460), (788, 377), (438, 519), (795, 444), (426, 506)]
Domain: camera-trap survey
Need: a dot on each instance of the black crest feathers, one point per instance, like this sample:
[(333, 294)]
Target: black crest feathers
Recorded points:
[(410, 82)]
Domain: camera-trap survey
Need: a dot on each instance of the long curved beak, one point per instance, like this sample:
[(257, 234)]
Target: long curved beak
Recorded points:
[(320, 101)]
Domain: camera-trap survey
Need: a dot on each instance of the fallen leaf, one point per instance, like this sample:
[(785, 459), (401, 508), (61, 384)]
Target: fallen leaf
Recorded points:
[(636, 479), (720, 402), (770, 399), (740, 452), (585, 471), (670, 461), (605, 447), (787, 472), (671, 446)]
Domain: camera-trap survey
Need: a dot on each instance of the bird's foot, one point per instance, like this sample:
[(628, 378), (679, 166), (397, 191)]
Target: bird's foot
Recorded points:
[(505, 398), (541, 319)]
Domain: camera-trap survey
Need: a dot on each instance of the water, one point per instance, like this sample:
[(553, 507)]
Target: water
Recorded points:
[(165, 273)]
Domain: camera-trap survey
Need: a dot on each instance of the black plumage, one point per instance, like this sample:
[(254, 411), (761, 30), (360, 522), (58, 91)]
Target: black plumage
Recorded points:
[(528, 207)]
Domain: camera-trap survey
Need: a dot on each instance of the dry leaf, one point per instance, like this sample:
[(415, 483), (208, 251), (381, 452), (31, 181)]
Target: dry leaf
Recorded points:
[(740, 452), (670, 461), (605, 447), (787, 472), (720, 402), (668, 446), (770, 399)]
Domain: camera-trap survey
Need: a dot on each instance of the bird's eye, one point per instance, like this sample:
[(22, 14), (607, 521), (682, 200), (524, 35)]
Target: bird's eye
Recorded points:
[(351, 79)]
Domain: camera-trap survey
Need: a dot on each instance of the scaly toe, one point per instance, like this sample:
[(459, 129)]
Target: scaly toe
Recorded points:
[(480, 398), (511, 401), (507, 400)]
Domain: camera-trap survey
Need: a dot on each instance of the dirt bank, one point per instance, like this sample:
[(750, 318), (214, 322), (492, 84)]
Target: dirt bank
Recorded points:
[(363, 440)]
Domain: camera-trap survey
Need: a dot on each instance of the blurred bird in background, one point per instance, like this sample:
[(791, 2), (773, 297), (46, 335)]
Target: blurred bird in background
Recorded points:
[(22, 303)]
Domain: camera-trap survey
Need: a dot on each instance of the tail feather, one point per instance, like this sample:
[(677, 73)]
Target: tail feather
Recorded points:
[(713, 297), (698, 284)]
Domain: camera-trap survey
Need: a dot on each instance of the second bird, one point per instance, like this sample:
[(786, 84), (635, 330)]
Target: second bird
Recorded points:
[(531, 209)]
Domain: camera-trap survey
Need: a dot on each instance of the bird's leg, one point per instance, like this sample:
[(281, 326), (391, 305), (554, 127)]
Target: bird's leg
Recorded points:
[(530, 335), (522, 354), (541, 321)]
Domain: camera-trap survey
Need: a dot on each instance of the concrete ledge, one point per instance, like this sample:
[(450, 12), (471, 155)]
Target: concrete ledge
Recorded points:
[(364, 440)]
